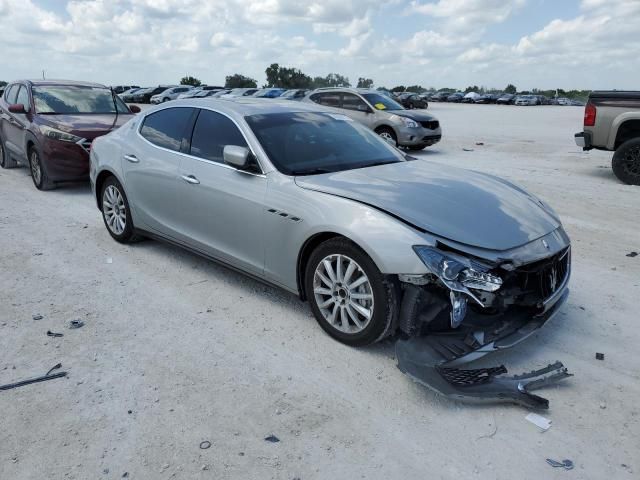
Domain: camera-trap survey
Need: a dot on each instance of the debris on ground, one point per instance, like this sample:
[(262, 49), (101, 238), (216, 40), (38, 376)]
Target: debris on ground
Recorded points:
[(109, 260), (632, 254), (76, 324), (479, 143), (54, 334), (37, 316), (272, 439), (43, 378), (566, 463), (468, 149), (205, 444), (539, 421), (599, 356)]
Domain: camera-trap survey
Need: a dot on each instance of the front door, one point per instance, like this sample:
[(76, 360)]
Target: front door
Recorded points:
[(223, 208)]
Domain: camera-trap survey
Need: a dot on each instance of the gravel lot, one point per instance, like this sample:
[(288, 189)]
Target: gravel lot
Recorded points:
[(177, 350)]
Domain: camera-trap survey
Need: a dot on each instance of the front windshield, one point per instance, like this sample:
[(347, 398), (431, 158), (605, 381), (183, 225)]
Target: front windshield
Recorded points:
[(71, 99), (382, 102), (308, 143)]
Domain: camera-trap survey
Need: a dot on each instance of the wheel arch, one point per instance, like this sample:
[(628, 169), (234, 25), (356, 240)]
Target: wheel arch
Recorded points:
[(305, 252), (100, 179), (627, 130)]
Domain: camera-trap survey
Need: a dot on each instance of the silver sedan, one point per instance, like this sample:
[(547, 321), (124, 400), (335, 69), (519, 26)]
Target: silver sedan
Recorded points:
[(308, 200)]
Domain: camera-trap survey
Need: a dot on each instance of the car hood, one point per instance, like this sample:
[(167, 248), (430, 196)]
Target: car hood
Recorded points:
[(415, 115), (87, 126), (467, 207)]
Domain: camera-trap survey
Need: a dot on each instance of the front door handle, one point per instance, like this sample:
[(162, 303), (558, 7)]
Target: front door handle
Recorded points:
[(190, 179), (131, 158)]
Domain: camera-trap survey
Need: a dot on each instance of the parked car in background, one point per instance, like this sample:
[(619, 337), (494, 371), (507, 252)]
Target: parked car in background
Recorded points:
[(128, 95), (470, 97), (543, 100), (612, 122), (169, 94), (455, 97), (198, 93), (295, 94), (488, 98), (269, 92), (378, 243), (123, 88), (524, 100), (506, 99), (412, 100), (240, 92), (412, 129), (50, 125), (439, 97), (144, 96)]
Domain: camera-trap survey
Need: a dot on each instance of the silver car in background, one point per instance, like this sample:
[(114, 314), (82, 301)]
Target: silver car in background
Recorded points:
[(170, 94), (412, 129), (309, 200)]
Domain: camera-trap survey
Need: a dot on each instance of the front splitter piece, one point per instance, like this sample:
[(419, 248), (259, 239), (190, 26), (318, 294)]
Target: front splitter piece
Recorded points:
[(424, 365)]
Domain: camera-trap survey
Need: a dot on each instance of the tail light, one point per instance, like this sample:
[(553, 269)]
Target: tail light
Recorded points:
[(589, 115)]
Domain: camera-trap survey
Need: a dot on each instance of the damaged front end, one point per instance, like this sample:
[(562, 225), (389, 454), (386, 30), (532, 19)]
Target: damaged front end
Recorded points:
[(469, 306)]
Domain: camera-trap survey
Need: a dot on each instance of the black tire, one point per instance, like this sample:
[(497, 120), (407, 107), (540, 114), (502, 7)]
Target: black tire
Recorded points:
[(388, 134), (128, 233), (38, 170), (5, 159), (416, 148), (385, 294), (626, 162)]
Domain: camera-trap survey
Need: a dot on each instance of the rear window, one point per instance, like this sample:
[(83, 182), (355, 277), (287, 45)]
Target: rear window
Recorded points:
[(166, 128)]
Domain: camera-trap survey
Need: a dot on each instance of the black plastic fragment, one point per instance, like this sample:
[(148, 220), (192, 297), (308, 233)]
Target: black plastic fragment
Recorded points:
[(53, 334), (599, 356), (272, 439), (205, 445), (76, 324), (425, 366), (43, 378)]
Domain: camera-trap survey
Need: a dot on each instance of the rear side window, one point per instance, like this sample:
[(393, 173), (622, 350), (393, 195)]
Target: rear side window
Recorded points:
[(211, 133), (328, 99), (166, 128)]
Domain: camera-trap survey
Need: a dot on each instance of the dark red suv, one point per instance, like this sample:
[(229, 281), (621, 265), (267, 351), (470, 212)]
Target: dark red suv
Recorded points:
[(49, 125)]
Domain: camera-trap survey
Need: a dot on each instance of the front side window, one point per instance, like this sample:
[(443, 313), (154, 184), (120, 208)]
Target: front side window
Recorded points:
[(23, 98), (309, 143), (166, 128), (381, 102), (211, 133), (72, 99)]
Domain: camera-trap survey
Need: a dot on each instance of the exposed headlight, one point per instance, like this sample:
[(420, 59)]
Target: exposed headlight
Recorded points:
[(408, 122), (59, 134), (456, 271)]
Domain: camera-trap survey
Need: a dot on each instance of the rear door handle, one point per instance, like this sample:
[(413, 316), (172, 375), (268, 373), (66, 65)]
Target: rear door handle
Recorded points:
[(131, 158), (190, 179)]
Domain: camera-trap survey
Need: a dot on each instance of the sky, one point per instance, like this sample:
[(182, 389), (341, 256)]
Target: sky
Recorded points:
[(581, 44)]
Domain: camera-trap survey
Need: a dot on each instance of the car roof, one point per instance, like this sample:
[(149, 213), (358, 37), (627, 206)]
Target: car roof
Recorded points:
[(246, 106), (52, 82)]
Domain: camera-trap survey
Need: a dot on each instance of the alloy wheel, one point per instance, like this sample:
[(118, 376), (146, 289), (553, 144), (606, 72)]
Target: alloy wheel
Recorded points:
[(36, 168), (343, 294), (631, 163), (114, 210), (388, 137)]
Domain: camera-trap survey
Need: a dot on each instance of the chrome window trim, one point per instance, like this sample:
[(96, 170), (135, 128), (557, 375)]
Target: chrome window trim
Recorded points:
[(210, 162)]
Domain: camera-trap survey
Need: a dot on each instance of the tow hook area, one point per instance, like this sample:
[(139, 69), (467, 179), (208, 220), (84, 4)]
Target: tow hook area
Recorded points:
[(419, 361)]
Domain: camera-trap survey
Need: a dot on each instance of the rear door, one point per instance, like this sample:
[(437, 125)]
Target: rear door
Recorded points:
[(151, 166), (223, 208)]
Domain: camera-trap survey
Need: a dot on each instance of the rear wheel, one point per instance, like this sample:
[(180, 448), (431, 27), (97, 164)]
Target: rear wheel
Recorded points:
[(388, 134), (626, 162), (38, 171), (351, 300), (5, 159), (116, 212)]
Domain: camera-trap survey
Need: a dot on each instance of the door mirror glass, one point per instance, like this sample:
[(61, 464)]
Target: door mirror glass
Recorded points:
[(134, 109), (17, 108)]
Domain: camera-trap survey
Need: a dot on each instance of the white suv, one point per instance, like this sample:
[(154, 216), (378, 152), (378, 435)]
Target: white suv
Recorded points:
[(170, 94)]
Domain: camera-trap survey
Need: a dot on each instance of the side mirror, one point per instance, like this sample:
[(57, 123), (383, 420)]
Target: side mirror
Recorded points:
[(134, 109), (17, 108), (240, 158)]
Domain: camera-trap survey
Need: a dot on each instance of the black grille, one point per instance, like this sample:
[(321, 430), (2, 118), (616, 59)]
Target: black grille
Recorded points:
[(546, 276), (466, 378), (431, 124)]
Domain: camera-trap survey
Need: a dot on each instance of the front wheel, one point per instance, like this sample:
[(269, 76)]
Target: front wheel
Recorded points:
[(351, 300), (38, 171), (626, 162), (388, 135), (116, 212)]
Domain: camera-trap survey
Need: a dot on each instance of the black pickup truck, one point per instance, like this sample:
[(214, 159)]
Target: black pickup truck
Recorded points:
[(612, 122)]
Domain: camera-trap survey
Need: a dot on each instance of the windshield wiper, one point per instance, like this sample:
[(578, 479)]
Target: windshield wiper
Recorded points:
[(312, 171)]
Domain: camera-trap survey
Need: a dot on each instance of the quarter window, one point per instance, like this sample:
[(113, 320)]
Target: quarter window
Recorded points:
[(166, 128), (211, 133)]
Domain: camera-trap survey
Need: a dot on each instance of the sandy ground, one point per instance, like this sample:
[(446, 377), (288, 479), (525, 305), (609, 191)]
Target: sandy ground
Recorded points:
[(177, 350)]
